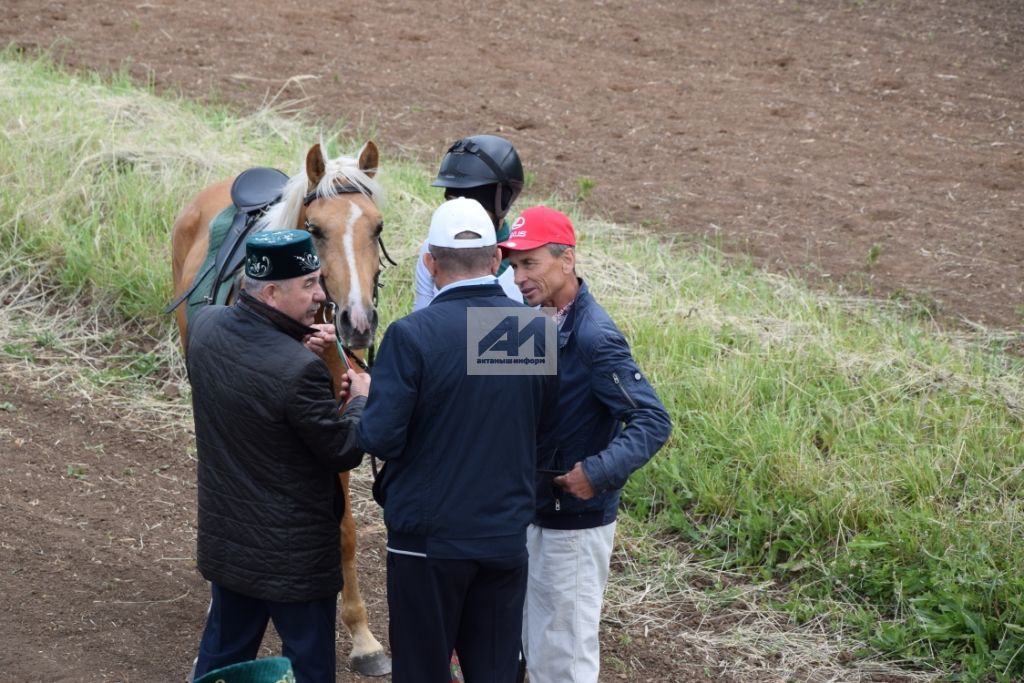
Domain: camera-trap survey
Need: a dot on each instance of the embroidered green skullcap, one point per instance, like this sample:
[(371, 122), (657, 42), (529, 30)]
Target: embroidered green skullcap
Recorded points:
[(280, 255), (266, 670)]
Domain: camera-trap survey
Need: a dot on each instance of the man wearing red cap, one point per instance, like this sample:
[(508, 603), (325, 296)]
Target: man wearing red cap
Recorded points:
[(610, 423)]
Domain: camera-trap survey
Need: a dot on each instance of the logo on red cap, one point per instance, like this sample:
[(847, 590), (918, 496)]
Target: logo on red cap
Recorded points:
[(538, 226)]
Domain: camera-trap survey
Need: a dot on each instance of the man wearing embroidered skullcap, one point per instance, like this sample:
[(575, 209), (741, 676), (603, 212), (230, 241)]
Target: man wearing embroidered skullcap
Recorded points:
[(610, 423), (460, 448), (270, 443)]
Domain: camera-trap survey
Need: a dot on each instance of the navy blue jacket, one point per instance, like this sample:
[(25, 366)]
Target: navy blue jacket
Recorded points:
[(460, 450), (601, 389)]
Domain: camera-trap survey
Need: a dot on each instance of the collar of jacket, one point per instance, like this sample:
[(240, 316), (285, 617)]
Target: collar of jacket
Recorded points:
[(287, 324), (470, 291), (579, 303), (501, 236)]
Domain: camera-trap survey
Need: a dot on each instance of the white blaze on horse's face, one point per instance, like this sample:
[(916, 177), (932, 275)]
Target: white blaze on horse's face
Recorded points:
[(358, 315), (346, 231)]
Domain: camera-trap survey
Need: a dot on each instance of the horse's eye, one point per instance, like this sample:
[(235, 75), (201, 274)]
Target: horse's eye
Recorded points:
[(314, 230), (379, 229)]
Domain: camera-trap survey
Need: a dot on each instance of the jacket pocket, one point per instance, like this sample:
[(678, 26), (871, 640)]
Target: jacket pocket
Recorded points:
[(622, 388)]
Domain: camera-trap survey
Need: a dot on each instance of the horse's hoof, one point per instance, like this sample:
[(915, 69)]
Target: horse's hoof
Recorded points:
[(373, 664)]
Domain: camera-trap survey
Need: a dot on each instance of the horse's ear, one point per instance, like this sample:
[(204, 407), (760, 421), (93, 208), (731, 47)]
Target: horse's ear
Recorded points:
[(315, 165), (369, 156)]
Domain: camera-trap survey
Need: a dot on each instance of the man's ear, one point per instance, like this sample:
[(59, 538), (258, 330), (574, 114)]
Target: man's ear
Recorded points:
[(496, 261), (568, 260), (430, 263), (270, 293)]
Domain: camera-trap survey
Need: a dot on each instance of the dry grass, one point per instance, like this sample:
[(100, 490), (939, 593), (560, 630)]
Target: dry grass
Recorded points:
[(59, 344), (724, 617)]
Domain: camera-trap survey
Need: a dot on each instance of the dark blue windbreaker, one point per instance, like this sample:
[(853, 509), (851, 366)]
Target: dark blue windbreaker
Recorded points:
[(609, 417)]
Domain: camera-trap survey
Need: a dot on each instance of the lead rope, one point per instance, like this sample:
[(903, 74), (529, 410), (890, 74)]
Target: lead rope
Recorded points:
[(347, 354)]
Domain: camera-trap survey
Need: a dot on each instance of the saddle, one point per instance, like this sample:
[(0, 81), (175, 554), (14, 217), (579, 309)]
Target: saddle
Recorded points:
[(253, 192)]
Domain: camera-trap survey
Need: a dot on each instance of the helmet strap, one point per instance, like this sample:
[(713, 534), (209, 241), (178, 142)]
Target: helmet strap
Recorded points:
[(471, 147), (498, 213)]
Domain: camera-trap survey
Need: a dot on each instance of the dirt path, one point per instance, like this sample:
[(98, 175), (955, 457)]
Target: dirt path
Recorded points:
[(874, 144), (98, 579), (97, 553)]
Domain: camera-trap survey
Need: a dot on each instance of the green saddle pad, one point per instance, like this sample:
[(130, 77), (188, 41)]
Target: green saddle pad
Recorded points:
[(218, 231)]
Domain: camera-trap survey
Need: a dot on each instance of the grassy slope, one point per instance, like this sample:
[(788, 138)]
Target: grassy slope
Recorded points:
[(867, 461)]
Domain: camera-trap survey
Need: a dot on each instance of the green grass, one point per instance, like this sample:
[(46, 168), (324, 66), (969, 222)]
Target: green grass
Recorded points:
[(852, 454), (846, 450), (94, 173)]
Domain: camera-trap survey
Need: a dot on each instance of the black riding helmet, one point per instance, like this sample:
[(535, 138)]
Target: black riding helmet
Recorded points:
[(478, 161)]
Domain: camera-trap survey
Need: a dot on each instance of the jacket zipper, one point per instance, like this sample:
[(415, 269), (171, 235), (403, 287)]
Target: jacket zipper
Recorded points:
[(629, 399), (625, 394), (556, 489)]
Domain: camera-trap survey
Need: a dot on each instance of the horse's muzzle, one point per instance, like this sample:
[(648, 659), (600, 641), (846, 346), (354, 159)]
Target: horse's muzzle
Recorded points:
[(355, 336)]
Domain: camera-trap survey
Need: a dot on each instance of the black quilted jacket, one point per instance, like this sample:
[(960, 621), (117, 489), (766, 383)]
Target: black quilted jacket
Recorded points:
[(270, 443)]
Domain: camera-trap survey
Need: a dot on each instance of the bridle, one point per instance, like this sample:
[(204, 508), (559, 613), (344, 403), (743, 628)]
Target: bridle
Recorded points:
[(347, 353), (340, 188)]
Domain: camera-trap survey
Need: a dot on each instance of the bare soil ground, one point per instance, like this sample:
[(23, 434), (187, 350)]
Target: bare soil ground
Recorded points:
[(98, 579), (872, 144), (98, 540)]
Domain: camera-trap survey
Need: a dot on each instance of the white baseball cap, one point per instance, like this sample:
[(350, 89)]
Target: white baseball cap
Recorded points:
[(461, 215)]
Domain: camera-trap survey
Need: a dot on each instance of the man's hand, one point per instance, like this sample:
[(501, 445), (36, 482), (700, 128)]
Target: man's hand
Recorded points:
[(575, 483), (321, 340), (355, 383)]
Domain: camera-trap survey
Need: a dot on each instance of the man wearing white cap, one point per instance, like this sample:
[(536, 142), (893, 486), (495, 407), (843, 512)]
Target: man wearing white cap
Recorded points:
[(461, 452)]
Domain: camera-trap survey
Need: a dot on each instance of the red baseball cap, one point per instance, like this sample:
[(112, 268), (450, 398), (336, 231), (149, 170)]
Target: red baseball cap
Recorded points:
[(538, 226)]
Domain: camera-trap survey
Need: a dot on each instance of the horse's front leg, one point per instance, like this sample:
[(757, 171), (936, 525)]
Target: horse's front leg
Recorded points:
[(367, 656)]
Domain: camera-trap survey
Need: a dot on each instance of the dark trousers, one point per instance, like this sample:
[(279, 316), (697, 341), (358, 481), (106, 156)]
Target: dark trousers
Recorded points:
[(474, 607), (236, 624)]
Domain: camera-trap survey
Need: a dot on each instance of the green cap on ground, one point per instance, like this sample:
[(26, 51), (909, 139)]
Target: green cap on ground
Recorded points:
[(266, 670)]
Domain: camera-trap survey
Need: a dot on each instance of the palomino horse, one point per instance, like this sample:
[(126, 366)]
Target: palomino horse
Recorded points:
[(336, 201)]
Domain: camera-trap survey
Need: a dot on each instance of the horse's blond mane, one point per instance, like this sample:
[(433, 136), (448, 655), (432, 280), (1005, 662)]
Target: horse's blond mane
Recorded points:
[(341, 170)]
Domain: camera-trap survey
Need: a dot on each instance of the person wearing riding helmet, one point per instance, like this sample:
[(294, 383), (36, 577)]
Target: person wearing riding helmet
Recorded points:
[(485, 168)]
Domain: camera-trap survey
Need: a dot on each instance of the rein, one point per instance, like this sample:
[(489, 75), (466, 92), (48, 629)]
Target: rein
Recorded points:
[(348, 354)]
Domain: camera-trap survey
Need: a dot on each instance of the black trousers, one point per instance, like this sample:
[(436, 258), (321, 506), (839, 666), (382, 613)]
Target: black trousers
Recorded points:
[(474, 607), (236, 624)]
